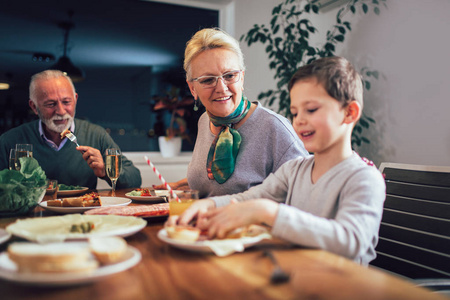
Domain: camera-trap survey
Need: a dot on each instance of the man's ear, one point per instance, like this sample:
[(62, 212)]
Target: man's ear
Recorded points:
[(353, 112), (33, 106), (191, 88)]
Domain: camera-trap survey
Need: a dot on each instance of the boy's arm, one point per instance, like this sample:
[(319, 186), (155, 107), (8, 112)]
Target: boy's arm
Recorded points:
[(274, 187), (352, 232)]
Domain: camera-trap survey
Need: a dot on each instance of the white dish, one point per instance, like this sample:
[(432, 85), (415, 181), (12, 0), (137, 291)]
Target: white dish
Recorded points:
[(145, 198), (106, 202), (57, 228), (8, 271), (66, 193), (206, 246), (4, 236)]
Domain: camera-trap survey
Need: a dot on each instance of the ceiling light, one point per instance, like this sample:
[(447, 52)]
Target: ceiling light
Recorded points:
[(64, 64), (4, 86)]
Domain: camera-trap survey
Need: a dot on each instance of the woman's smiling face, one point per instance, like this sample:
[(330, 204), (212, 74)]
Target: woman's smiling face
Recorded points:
[(223, 99)]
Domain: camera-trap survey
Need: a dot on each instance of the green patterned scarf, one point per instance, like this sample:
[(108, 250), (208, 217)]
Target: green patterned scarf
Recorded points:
[(225, 147)]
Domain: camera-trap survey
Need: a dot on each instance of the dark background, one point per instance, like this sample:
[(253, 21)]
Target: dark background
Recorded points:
[(128, 50)]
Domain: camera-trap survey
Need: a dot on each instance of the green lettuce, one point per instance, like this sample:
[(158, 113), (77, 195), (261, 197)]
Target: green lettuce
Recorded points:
[(21, 190)]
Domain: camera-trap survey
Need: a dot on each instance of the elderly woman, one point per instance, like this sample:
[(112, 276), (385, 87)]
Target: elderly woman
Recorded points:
[(239, 142)]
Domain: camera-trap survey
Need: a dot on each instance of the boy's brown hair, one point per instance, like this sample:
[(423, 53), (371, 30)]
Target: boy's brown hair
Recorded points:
[(337, 75)]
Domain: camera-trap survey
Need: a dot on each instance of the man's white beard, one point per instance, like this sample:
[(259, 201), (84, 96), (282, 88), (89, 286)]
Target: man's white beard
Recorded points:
[(52, 126)]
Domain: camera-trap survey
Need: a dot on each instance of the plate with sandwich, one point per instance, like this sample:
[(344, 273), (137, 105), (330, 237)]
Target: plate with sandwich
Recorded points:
[(82, 203), (145, 194), (192, 239), (74, 227), (69, 263)]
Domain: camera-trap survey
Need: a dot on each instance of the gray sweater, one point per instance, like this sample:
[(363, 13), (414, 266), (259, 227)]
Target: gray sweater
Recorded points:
[(340, 213), (268, 141)]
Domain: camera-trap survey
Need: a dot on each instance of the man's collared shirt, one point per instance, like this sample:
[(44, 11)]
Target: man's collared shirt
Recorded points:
[(50, 143)]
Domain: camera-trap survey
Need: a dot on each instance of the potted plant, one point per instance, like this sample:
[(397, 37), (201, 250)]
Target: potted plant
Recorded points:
[(178, 107), (288, 47)]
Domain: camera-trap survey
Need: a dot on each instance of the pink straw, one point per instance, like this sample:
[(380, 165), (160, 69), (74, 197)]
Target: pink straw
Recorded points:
[(174, 195)]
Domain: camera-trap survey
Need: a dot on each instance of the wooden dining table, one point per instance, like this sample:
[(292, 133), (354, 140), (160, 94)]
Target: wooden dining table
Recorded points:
[(166, 272)]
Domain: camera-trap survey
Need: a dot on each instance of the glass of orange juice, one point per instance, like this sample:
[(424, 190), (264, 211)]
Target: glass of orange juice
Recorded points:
[(186, 197)]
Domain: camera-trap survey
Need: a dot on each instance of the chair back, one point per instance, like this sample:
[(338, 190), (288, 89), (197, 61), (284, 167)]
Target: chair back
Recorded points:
[(414, 237)]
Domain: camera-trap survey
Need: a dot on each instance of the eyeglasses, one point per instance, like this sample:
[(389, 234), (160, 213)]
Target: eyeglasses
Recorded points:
[(209, 82)]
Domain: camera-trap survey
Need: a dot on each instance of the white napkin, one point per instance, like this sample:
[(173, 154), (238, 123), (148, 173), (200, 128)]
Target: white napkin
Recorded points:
[(228, 246)]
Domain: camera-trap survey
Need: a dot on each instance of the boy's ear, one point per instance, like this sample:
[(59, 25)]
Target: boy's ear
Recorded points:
[(353, 112)]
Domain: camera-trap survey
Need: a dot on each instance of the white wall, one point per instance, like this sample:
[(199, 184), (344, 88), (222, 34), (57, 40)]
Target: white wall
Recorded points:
[(408, 42)]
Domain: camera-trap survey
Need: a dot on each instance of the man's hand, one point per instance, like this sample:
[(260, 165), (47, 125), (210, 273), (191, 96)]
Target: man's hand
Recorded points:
[(94, 159)]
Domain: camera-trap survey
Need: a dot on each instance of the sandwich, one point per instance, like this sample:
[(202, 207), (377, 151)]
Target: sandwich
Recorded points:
[(192, 234), (67, 257), (51, 258)]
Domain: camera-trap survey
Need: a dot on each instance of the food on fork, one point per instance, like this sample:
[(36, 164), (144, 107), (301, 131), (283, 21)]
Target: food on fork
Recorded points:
[(51, 258), (64, 133), (108, 250), (91, 199)]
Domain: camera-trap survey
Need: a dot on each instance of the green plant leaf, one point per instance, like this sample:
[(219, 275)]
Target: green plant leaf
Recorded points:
[(365, 8), (339, 38)]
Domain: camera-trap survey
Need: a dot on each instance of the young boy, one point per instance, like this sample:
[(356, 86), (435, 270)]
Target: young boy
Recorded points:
[(331, 200)]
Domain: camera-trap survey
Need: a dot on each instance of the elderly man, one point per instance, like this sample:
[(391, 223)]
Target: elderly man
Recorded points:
[(53, 99)]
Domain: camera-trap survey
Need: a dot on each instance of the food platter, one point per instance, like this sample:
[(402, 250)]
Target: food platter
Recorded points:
[(106, 202), (159, 210), (145, 198), (218, 247), (57, 228), (8, 271), (160, 195), (66, 193)]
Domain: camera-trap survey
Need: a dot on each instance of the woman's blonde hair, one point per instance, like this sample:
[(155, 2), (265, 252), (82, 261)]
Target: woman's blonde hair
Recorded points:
[(210, 38)]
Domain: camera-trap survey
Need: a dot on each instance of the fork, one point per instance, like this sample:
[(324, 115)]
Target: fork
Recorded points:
[(71, 137), (278, 275)]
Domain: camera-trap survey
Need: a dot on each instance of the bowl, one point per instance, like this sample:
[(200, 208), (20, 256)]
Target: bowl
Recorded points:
[(20, 199)]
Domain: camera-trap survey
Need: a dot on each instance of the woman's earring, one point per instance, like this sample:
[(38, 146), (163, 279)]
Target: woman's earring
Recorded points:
[(195, 105)]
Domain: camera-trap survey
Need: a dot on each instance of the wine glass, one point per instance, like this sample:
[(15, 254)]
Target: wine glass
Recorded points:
[(12, 159), (113, 166), (22, 150)]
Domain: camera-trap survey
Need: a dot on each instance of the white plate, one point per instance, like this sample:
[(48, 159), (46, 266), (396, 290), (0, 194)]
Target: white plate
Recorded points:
[(145, 198), (205, 246), (4, 236), (57, 228), (8, 271), (106, 202), (66, 193)]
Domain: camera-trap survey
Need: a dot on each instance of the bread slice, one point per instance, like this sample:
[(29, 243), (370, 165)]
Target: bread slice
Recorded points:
[(108, 250), (56, 202), (51, 258), (184, 233)]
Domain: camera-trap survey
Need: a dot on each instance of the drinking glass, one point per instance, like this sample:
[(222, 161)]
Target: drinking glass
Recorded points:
[(186, 197), (52, 189), (113, 166), (12, 159), (22, 150)]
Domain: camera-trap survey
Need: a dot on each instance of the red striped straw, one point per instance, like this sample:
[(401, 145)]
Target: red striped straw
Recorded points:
[(174, 195)]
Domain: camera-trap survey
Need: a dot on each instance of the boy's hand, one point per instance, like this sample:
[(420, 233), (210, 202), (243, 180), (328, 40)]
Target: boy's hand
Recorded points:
[(196, 210), (220, 221)]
